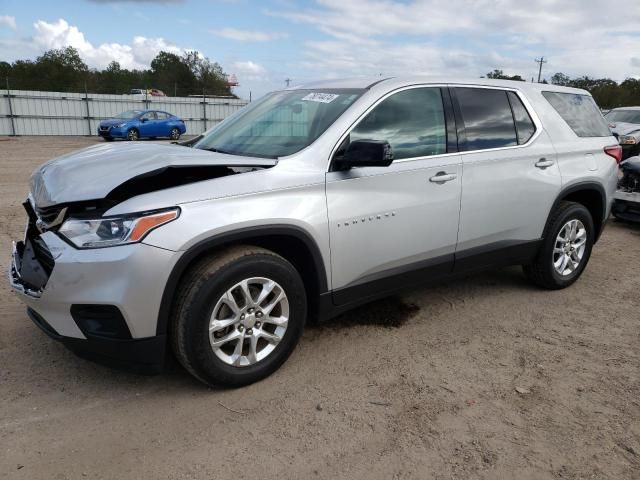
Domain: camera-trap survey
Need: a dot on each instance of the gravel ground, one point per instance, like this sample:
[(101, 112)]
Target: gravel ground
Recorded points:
[(486, 377)]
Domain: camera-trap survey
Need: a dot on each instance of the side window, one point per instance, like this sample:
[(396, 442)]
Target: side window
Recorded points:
[(412, 121), (149, 116), (487, 118), (524, 125), (162, 115), (580, 112)]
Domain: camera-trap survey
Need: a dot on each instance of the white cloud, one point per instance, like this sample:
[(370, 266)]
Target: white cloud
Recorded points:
[(248, 35), (8, 21), (471, 38), (248, 70), (139, 54)]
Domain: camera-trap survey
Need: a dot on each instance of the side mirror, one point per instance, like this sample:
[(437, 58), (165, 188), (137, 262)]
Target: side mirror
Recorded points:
[(366, 153), (144, 119)]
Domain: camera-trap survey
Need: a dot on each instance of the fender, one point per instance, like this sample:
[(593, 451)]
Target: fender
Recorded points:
[(585, 186), (235, 236)]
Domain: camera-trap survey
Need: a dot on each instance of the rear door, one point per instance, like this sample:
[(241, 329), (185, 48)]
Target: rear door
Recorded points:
[(163, 124), (511, 177), (390, 225)]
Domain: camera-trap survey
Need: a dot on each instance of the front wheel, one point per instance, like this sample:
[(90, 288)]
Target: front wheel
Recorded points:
[(174, 134), (566, 249), (133, 135), (238, 316)]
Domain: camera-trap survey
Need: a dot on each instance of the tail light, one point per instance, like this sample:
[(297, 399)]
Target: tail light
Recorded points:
[(614, 151)]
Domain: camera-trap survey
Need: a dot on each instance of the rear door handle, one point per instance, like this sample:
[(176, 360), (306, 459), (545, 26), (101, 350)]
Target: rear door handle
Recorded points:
[(442, 177), (544, 163)]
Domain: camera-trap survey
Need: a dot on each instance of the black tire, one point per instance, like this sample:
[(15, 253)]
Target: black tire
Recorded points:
[(133, 134), (201, 288), (174, 134), (541, 271)]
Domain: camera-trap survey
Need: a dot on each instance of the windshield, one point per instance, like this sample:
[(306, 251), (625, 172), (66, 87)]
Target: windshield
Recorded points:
[(129, 114), (280, 123), (627, 116)]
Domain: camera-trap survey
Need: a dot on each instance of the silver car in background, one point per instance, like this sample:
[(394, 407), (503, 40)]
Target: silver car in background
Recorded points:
[(307, 203), (625, 125)]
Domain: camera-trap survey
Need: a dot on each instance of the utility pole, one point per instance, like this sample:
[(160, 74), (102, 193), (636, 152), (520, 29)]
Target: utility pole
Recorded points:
[(287, 81), (540, 61)]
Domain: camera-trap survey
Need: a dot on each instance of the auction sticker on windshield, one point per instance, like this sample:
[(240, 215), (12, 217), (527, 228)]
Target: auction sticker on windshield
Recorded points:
[(320, 97)]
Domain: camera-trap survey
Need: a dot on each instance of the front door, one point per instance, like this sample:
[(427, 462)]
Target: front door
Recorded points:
[(396, 223)]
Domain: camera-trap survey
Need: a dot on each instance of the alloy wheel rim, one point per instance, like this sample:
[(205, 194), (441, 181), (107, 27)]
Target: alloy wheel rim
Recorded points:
[(249, 321), (569, 247), (175, 134), (133, 135)]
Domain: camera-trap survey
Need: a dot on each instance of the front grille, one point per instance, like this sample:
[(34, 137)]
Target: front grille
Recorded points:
[(43, 254), (36, 261), (104, 129)]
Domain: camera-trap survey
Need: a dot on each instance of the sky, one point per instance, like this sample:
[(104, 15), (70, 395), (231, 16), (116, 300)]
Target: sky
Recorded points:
[(264, 43)]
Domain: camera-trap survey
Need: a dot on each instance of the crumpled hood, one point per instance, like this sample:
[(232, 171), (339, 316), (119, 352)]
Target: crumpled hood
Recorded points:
[(624, 128), (91, 173)]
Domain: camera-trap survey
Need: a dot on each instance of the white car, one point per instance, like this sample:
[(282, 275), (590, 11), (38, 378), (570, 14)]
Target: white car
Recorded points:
[(309, 202)]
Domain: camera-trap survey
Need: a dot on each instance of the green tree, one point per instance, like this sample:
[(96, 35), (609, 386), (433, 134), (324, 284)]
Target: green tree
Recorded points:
[(560, 79), (500, 75)]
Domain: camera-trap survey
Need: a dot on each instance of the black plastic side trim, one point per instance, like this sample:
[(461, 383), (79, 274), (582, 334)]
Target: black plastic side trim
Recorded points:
[(495, 255), (447, 267), (394, 279), (576, 187), (231, 237)]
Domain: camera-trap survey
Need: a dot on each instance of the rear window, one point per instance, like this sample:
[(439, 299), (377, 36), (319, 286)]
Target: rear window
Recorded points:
[(488, 121), (580, 112)]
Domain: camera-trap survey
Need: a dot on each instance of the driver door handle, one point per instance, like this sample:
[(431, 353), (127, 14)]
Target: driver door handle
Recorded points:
[(544, 163), (442, 177)]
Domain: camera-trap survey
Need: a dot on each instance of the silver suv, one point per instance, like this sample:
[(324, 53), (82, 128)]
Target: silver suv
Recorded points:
[(304, 204)]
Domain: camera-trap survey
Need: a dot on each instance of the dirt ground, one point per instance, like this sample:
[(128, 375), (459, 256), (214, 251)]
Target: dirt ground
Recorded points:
[(419, 386)]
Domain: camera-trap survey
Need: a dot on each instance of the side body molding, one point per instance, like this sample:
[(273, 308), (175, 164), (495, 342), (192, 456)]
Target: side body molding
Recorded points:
[(235, 236)]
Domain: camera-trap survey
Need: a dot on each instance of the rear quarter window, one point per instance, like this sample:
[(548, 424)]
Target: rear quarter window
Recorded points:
[(580, 112)]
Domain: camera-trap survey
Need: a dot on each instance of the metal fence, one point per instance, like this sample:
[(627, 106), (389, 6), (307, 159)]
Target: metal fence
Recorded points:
[(57, 113)]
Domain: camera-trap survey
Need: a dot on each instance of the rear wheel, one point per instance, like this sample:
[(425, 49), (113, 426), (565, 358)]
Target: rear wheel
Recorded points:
[(238, 316), (174, 134), (132, 134), (566, 249)]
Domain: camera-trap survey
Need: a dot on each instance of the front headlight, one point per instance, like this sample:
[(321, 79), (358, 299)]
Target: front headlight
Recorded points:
[(110, 231), (627, 140), (121, 125)]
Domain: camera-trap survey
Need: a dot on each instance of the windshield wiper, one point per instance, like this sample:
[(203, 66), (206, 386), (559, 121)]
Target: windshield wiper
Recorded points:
[(227, 152), (219, 150)]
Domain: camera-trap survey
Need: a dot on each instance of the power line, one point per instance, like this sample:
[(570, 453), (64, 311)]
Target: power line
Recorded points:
[(540, 61)]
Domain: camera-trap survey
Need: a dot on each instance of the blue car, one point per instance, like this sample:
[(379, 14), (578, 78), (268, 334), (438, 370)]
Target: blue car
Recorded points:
[(135, 124)]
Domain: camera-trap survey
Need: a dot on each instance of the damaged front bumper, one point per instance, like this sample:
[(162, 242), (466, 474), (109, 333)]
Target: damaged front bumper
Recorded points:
[(103, 304)]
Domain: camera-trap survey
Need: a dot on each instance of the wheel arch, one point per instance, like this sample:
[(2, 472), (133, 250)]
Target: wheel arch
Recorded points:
[(592, 196), (291, 242)]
